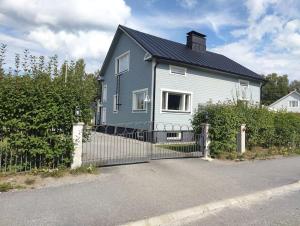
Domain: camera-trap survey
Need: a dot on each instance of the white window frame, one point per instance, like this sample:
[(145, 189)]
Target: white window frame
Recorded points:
[(179, 137), (104, 93), (172, 73), (115, 103), (295, 101), (117, 72), (103, 115), (240, 89), (162, 110), (134, 110)]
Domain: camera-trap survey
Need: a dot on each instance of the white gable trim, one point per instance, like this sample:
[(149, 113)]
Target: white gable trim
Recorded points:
[(282, 98)]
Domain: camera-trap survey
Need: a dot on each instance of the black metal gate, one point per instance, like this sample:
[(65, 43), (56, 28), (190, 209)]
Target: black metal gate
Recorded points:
[(112, 145)]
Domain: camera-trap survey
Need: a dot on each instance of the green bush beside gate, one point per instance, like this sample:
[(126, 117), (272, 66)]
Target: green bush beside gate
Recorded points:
[(264, 128), (37, 113)]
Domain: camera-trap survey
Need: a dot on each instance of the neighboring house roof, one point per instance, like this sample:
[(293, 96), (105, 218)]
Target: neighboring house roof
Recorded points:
[(282, 98), (169, 50)]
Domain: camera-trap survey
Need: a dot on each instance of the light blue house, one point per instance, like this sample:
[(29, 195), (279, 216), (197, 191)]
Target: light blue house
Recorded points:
[(149, 79)]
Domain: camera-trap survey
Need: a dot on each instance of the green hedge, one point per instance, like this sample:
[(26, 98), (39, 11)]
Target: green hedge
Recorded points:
[(264, 128), (37, 113)]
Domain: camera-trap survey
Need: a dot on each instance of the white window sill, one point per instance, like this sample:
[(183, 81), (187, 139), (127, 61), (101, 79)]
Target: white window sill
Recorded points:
[(139, 111), (122, 72), (175, 111)]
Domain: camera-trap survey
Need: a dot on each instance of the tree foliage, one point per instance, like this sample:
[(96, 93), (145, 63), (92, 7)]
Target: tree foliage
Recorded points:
[(264, 128), (277, 86), (38, 103)]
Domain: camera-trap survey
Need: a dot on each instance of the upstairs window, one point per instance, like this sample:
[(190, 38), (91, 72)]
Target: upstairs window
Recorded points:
[(244, 86), (138, 100), (176, 102), (293, 103), (122, 63), (175, 70)]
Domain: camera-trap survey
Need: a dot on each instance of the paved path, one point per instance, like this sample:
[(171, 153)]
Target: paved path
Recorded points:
[(133, 192), (106, 149)]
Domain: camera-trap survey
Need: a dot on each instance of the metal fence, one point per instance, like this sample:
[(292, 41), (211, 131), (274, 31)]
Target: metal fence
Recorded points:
[(18, 158), (120, 144)]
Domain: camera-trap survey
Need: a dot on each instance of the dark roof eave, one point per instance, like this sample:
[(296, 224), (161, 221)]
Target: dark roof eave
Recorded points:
[(211, 68)]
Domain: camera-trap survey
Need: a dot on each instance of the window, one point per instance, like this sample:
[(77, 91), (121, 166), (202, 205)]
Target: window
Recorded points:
[(244, 85), (104, 93), (138, 100), (122, 63), (177, 102), (293, 103), (174, 136), (115, 103), (175, 70)]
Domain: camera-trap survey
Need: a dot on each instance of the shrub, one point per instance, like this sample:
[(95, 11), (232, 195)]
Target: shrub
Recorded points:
[(264, 128), (37, 112)]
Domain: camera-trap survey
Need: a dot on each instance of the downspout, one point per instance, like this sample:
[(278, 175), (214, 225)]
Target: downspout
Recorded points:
[(153, 96)]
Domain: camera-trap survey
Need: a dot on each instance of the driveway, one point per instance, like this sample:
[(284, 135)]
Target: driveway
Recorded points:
[(121, 194), (106, 149)]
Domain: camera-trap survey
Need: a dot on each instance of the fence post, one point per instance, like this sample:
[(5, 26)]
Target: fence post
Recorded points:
[(77, 140), (206, 140), (242, 139)]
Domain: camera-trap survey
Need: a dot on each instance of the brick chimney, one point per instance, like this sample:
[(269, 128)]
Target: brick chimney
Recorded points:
[(196, 41)]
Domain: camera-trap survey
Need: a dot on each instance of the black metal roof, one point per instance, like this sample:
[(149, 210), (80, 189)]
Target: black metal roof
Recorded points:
[(178, 52)]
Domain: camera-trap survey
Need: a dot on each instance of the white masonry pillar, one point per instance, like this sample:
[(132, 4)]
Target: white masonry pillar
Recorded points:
[(206, 140), (242, 139), (77, 140)]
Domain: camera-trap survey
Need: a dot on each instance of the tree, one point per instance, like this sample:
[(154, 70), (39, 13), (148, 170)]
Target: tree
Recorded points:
[(275, 87), (295, 85)]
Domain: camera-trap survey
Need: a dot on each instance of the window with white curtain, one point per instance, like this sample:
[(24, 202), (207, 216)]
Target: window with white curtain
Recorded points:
[(122, 63), (244, 87), (138, 100), (293, 103), (175, 70)]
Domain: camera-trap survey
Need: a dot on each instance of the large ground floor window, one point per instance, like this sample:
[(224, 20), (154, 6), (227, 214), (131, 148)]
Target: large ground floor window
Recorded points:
[(176, 101)]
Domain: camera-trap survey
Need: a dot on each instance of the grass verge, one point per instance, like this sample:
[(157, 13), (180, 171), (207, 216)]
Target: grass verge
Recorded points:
[(257, 153), (6, 186)]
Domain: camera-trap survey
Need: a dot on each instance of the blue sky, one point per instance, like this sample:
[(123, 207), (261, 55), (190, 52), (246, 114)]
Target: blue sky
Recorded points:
[(263, 35)]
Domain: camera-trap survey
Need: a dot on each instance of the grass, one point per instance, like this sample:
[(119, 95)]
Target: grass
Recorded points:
[(84, 170), (29, 181), (257, 153), (186, 148), (6, 186)]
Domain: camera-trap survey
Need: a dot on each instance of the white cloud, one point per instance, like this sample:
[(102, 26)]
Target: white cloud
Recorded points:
[(67, 14), (88, 44), (69, 28), (257, 8), (188, 4)]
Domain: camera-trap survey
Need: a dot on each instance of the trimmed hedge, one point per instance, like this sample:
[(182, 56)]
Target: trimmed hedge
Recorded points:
[(37, 113), (264, 128)]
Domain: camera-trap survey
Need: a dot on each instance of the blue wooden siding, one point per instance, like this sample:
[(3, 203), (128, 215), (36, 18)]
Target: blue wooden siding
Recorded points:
[(138, 77)]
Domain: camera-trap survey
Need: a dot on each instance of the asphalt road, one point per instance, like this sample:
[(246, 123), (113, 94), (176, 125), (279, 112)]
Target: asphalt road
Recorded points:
[(280, 211), (121, 194)]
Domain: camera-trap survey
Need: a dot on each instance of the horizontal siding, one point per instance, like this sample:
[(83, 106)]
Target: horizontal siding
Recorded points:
[(284, 103), (204, 86), (138, 77)]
